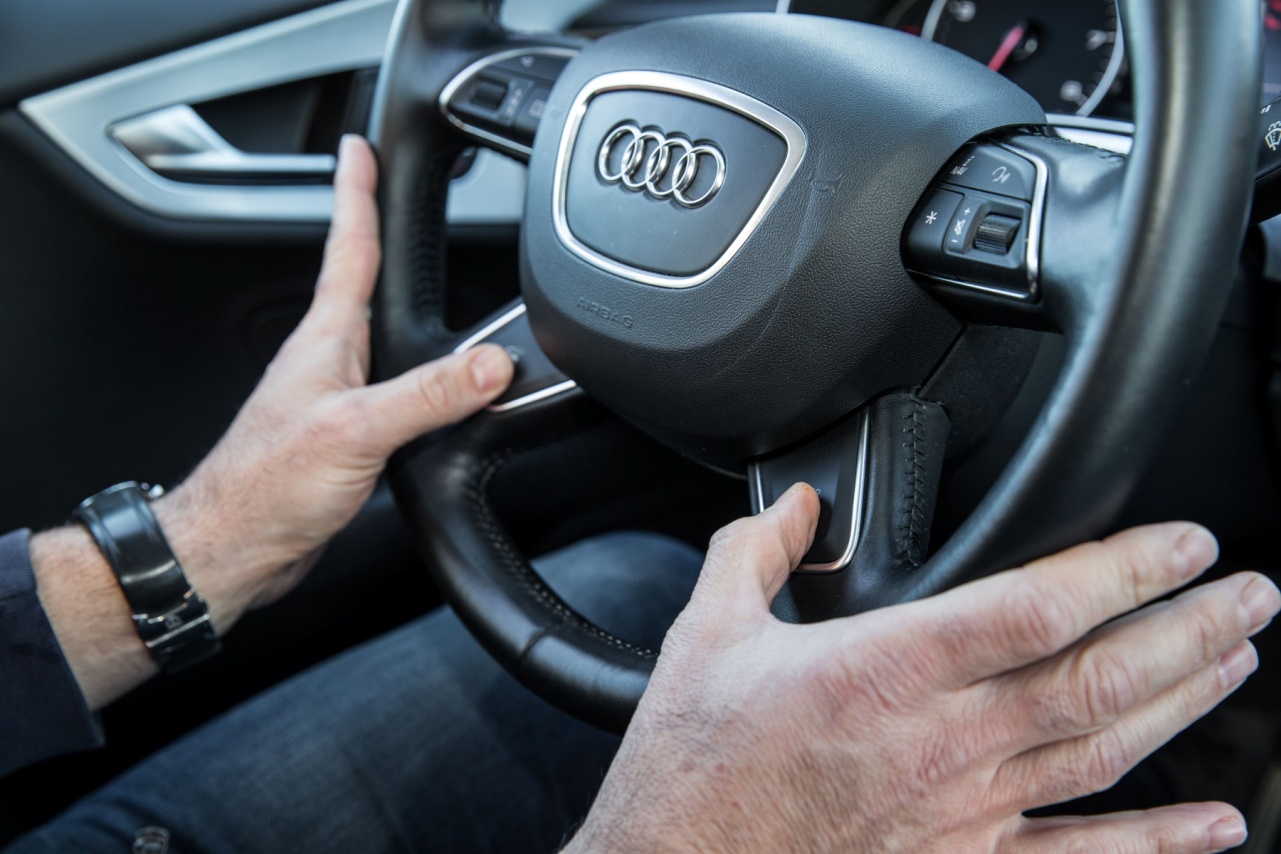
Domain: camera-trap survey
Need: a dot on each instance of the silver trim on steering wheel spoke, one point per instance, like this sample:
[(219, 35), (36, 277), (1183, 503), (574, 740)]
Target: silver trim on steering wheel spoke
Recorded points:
[(860, 500), (655, 81), (488, 330), (1037, 220)]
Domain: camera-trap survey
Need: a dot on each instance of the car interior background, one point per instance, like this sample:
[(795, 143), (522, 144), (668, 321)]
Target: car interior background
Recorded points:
[(163, 203)]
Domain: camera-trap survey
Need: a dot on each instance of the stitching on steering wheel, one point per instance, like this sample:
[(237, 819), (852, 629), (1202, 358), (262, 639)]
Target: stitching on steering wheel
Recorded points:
[(912, 524), (427, 259), (518, 567)]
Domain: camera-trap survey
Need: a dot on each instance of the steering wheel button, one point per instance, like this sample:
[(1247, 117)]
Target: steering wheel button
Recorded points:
[(996, 234), (489, 94), (991, 170), (531, 114), (516, 92), (929, 226), (534, 377), (1269, 138), (961, 229)]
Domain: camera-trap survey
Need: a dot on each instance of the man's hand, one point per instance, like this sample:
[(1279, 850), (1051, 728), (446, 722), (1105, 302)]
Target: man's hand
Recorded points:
[(304, 453), (297, 464), (930, 726)]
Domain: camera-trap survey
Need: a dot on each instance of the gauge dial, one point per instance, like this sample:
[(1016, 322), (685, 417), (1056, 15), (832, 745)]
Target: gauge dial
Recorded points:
[(1066, 54)]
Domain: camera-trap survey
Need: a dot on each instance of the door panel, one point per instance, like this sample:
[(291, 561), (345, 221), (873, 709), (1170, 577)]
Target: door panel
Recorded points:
[(124, 351), (97, 121), (44, 45)]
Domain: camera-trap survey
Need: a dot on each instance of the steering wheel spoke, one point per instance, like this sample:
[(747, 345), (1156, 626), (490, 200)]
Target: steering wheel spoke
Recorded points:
[(999, 234), (536, 378), (498, 100), (877, 476), (836, 464)]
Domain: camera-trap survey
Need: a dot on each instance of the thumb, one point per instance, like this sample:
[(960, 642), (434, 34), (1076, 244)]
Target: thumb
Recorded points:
[(749, 560), (434, 395)]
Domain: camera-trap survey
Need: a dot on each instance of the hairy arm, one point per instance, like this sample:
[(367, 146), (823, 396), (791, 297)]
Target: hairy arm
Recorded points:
[(301, 458)]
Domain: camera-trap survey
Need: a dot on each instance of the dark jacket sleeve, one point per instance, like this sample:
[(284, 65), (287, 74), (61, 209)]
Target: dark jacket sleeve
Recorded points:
[(42, 712)]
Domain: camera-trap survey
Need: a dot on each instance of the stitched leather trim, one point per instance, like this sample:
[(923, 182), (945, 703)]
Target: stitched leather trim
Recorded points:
[(517, 566), (912, 523)]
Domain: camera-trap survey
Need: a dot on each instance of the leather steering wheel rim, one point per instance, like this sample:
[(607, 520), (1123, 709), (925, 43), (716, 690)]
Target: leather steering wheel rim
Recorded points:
[(1136, 339)]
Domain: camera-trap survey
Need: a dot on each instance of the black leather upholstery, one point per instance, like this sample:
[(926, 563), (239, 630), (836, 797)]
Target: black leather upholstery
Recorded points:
[(441, 485)]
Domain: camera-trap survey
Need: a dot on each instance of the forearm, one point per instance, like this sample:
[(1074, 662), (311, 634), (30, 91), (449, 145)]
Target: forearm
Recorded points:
[(89, 615)]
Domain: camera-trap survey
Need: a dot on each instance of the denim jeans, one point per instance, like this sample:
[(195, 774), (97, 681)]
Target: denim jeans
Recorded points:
[(415, 741)]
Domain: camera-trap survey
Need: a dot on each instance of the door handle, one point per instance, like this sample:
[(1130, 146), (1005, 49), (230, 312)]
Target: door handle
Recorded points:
[(177, 143)]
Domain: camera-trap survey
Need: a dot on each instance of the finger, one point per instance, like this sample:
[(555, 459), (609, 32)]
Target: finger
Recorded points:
[(1020, 616), (352, 252), (1091, 763), (749, 559), (1126, 663), (1182, 829), (432, 396)]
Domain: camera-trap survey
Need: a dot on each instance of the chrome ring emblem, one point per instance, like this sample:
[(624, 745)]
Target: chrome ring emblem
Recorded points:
[(662, 166)]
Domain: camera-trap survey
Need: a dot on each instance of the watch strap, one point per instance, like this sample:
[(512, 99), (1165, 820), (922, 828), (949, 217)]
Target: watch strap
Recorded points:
[(170, 617)]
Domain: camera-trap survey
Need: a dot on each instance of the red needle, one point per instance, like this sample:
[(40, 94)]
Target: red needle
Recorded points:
[(1012, 39)]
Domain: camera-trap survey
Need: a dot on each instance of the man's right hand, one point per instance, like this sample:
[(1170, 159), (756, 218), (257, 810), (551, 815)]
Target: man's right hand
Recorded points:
[(934, 725)]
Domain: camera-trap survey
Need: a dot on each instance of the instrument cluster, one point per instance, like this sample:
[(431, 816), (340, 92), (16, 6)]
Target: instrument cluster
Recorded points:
[(1068, 54)]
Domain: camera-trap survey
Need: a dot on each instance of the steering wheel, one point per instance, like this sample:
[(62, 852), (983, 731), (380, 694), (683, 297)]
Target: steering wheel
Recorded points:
[(764, 239)]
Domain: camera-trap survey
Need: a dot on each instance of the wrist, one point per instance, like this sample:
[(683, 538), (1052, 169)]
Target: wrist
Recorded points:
[(223, 565)]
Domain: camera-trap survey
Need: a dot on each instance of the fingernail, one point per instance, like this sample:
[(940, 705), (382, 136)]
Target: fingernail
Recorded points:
[(1237, 664), (793, 491), (791, 494), (1198, 550), (1262, 601), (344, 148), (491, 368), (1226, 833)]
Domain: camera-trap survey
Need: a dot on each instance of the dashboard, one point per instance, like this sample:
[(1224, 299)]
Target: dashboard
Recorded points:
[(1068, 54)]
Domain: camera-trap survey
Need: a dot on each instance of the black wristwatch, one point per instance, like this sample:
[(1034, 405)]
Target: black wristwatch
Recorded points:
[(171, 618)]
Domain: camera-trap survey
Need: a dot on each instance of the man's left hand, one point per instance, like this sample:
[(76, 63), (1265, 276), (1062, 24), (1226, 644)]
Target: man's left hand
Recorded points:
[(304, 453)]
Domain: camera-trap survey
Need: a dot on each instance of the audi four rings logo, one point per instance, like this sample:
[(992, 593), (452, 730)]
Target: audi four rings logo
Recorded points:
[(662, 166)]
